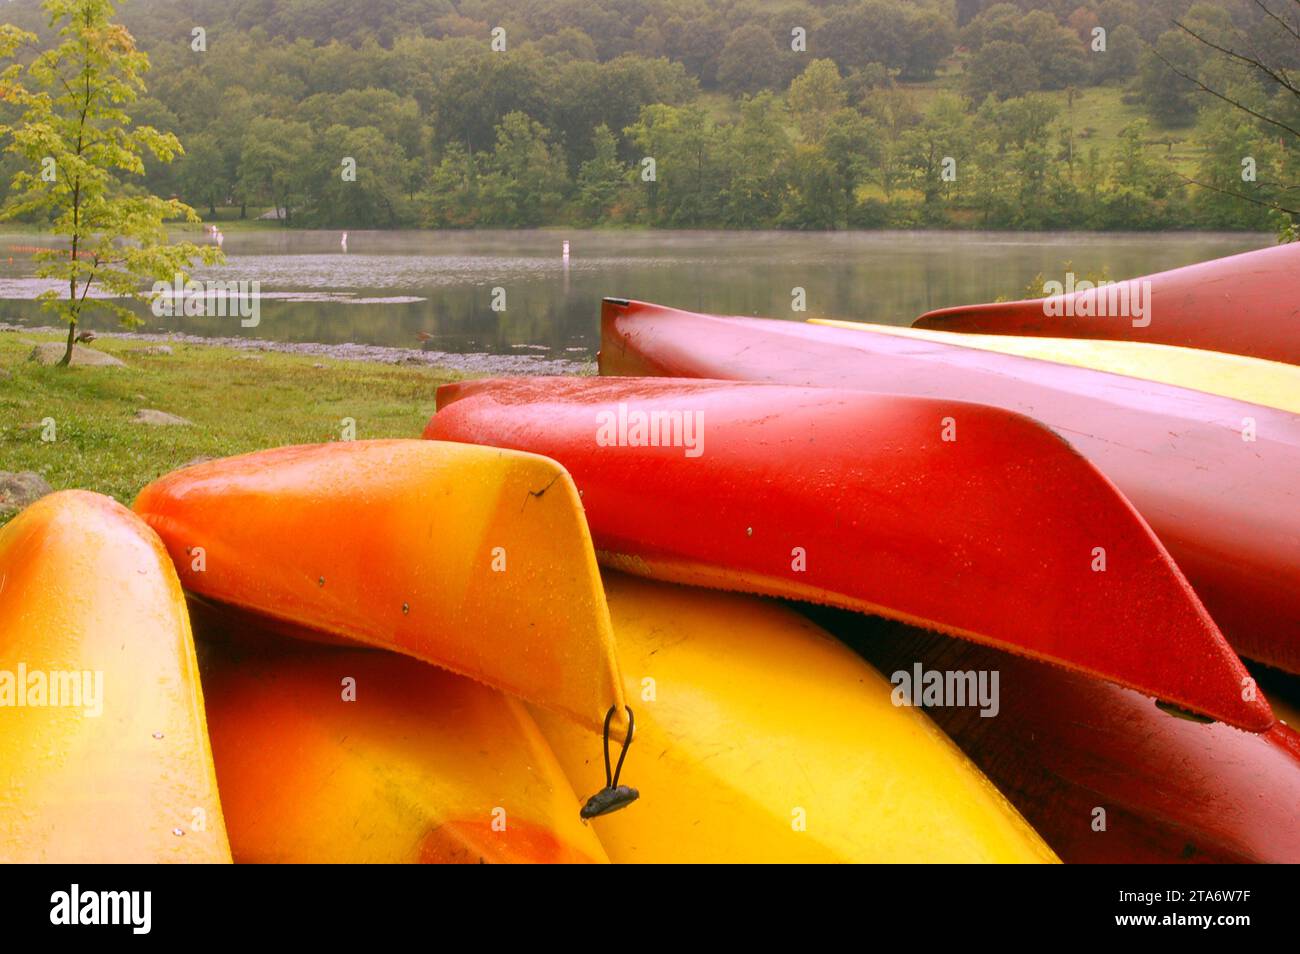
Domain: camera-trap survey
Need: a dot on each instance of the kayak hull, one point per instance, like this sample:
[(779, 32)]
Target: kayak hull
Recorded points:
[(1100, 772), (1213, 477), (111, 764), (759, 738), (958, 517), (342, 756), (476, 560), (1253, 380), (1243, 304)]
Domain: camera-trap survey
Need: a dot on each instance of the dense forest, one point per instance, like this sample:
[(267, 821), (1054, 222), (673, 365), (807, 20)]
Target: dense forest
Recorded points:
[(739, 114)]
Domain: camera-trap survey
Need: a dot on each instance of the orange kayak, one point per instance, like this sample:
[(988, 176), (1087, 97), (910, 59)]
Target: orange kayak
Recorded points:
[(102, 731), (1243, 304), (1001, 534), (347, 756), (473, 559), (1215, 478)]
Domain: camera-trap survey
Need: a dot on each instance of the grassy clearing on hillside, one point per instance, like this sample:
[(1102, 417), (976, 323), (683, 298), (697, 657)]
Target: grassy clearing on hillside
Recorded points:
[(238, 402)]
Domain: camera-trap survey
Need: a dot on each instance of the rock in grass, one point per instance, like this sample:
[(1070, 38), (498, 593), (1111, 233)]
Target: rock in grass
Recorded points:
[(153, 349), (18, 489), (51, 352), (148, 415)]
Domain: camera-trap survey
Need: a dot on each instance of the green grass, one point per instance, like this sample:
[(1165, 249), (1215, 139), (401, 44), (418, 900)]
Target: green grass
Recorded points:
[(238, 403)]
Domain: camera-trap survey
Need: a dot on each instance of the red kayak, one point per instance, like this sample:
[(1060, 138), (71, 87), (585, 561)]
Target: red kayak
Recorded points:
[(1243, 304), (1061, 747), (953, 516), (1228, 508)]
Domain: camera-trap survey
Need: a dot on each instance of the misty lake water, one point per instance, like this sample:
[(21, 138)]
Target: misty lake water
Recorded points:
[(389, 286)]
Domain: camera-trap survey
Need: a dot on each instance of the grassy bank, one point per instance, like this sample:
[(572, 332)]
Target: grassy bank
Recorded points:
[(237, 402)]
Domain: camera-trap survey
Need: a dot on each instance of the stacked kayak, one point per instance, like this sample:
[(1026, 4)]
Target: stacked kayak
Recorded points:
[(343, 755), (331, 753), (1214, 477), (761, 592), (763, 739), (1243, 304), (1253, 380), (958, 517), (102, 730), (1102, 774), (466, 557)]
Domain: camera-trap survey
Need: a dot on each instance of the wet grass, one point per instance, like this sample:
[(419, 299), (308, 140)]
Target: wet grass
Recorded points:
[(237, 401)]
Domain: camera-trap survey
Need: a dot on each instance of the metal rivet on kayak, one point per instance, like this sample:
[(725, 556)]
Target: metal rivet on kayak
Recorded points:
[(178, 832), (749, 531), (157, 735), (406, 608), (613, 796), (321, 581)]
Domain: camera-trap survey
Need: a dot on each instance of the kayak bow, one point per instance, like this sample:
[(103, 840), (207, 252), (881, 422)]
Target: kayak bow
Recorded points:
[(102, 731), (472, 559)]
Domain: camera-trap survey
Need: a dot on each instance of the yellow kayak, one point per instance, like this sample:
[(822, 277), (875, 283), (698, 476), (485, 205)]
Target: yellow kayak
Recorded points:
[(348, 756), (472, 558), (759, 738), (103, 741), (1256, 380)]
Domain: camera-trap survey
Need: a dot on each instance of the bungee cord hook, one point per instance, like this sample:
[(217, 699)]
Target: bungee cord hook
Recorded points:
[(613, 796)]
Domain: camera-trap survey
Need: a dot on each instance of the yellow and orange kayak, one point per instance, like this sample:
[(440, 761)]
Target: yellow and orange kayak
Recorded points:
[(1254, 380), (332, 755), (759, 738), (102, 731), (472, 558)]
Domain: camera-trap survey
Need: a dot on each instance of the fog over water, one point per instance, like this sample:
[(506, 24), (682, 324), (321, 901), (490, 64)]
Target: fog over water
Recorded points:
[(390, 286)]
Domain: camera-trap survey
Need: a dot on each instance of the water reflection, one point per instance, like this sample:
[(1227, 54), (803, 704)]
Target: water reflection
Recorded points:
[(390, 286)]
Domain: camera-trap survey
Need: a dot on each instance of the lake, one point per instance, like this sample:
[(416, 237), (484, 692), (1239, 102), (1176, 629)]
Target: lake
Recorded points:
[(389, 286)]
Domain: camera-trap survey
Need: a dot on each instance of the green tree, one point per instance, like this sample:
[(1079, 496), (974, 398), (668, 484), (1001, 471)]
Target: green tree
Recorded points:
[(1120, 58), (525, 176), (1135, 178), (683, 144), (1236, 173), (600, 178), (369, 195), (80, 149), (815, 95), (853, 144), (750, 61), (754, 154), (1167, 96), (202, 172), (275, 161), (999, 69), (935, 147), (453, 196), (814, 199)]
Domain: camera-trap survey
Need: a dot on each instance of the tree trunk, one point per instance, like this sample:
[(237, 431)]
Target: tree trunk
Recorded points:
[(72, 340)]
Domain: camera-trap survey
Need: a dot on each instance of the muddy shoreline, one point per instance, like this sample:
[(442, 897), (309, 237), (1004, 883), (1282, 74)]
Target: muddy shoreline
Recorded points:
[(502, 364)]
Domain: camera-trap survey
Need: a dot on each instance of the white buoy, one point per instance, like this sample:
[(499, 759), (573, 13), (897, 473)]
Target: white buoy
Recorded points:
[(221, 238), (566, 250), (344, 242)]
